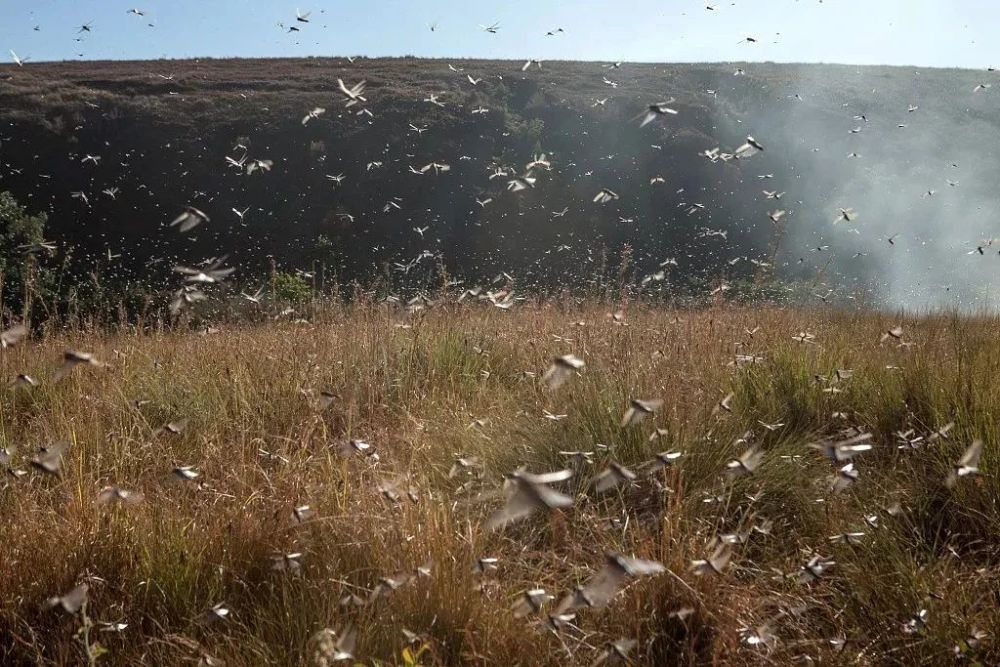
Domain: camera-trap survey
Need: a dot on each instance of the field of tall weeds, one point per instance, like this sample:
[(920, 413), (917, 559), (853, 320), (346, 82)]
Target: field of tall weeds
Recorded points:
[(323, 505)]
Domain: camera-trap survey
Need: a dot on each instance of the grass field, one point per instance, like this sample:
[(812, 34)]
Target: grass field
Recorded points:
[(454, 382)]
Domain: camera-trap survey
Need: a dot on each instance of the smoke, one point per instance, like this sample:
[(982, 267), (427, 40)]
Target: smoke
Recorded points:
[(910, 152)]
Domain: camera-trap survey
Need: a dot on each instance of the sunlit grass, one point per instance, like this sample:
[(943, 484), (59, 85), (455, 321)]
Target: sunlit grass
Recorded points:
[(464, 382)]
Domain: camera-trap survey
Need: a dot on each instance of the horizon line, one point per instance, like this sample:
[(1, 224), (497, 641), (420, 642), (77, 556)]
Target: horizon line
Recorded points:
[(29, 63)]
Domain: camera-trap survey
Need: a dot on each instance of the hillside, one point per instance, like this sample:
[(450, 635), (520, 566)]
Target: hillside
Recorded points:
[(418, 362), (163, 129)]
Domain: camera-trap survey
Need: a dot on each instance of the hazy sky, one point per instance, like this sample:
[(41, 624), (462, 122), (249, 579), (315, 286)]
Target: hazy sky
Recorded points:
[(901, 32)]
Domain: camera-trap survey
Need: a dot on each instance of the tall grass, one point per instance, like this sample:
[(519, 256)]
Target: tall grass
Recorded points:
[(456, 382)]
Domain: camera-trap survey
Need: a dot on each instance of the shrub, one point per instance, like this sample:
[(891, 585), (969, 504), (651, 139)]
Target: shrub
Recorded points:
[(17, 228), (291, 289)]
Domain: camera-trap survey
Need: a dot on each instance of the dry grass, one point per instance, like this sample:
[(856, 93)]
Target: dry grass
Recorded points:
[(413, 393)]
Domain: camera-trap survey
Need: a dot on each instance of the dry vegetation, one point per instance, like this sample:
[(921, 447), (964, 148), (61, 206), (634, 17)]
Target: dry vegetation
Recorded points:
[(295, 84), (262, 447)]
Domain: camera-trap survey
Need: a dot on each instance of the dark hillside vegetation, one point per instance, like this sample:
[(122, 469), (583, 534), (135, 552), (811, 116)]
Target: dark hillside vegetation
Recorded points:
[(162, 131)]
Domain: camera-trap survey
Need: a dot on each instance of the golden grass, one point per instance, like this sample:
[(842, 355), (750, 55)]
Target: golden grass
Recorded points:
[(413, 393)]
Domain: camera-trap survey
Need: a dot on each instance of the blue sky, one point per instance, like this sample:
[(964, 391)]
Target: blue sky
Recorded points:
[(941, 33)]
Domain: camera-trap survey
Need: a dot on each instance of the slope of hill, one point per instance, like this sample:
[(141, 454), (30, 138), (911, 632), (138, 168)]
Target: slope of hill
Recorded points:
[(835, 136)]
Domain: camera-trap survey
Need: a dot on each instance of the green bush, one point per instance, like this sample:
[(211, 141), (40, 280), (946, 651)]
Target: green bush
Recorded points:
[(17, 228), (290, 288)]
